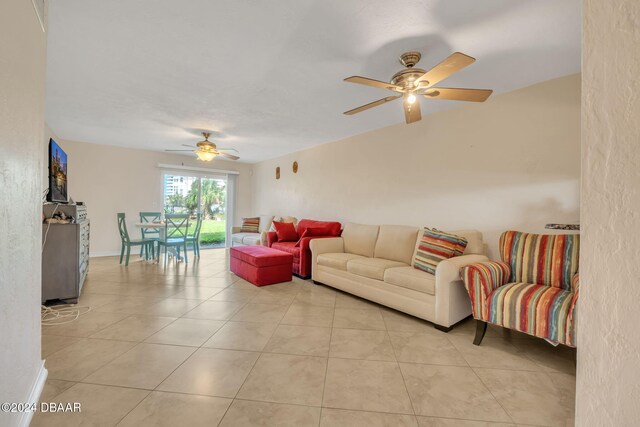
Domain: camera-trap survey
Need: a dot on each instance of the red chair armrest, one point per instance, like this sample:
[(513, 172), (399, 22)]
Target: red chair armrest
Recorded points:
[(272, 237)]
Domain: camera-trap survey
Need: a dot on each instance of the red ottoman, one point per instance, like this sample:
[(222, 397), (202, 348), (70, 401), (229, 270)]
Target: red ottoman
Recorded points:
[(261, 265)]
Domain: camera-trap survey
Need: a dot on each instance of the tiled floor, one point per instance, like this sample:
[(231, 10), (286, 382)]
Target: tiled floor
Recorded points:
[(195, 345)]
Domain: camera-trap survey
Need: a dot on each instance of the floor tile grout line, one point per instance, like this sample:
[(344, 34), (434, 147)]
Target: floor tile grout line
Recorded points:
[(132, 409), (404, 381), (493, 395), (294, 300)]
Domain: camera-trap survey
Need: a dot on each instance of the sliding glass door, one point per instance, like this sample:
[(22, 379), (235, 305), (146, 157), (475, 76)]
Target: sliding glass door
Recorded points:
[(206, 195)]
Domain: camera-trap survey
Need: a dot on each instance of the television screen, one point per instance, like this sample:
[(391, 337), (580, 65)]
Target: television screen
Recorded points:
[(57, 173)]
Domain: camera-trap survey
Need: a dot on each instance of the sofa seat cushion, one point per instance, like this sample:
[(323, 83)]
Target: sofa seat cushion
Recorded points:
[(239, 237), (337, 260), (371, 267), (252, 240), (410, 278), (288, 247), (543, 311)]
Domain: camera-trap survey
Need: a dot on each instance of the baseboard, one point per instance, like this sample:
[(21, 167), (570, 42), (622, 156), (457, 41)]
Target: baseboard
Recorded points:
[(34, 395), (105, 253)]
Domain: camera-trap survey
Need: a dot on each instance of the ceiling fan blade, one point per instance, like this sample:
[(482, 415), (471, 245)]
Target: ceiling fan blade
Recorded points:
[(228, 149), (371, 82), (228, 156), (451, 65), (191, 151), (457, 94), (190, 146), (412, 111), (371, 105)]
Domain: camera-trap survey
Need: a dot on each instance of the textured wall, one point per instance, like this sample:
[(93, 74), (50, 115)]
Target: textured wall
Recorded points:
[(22, 75), (608, 390), (112, 179), (512, 162)]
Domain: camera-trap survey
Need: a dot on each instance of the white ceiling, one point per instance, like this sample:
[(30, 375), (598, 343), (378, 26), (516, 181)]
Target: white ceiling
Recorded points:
[(267, 75)]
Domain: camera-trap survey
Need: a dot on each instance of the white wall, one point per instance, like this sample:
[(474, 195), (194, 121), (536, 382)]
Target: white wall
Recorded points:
[(22, 77), (112, 179), (608, 388), (512, 162)]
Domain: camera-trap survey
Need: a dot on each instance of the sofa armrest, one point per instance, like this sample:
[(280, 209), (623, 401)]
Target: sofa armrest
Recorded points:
[(481, 279), (235, 230), (448, 270), (324, 246), (272, 237), (452, 300)]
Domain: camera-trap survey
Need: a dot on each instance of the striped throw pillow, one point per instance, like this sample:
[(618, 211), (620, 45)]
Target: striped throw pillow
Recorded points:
[(436, 246), (250, 225)]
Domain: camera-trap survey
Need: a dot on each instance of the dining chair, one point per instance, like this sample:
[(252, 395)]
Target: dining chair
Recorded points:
[(175, 234), (150, 233), (128, 242), (195, 238)]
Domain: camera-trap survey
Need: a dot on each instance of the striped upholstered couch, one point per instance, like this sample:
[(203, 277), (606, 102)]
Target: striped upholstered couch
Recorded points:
[(534, 289)]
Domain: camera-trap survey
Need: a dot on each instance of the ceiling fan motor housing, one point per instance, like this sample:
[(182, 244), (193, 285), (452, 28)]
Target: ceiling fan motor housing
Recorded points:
[(406, 78)]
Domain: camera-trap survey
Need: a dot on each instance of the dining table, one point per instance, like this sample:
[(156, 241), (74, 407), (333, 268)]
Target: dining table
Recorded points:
[(162, 228)]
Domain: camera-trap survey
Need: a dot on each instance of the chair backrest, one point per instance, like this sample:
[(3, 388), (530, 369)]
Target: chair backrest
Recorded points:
[(196, 231), (150, 217), (122, 227), (176, 226), (541, 259)]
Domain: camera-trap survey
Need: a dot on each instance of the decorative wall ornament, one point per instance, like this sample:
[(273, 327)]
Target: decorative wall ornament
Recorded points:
[(295, 167), (278, 172)]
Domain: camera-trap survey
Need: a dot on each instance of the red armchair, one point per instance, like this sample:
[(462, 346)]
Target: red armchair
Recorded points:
[(300, 249)]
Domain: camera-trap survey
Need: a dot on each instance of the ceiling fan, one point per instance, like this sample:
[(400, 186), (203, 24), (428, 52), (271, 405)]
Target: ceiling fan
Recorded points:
[(207, 150), (411, 82)]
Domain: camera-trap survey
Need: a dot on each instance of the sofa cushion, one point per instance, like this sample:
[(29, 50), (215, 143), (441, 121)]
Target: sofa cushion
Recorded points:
[(250, 225), (252, 239), (371, 267), (360, 239), (411, 278), (436, 246), (292, 219), (286, 232), (336, 260), (543, 259), (332, 228), (396, 243), (239, 237), (288, 247), (543, 311)]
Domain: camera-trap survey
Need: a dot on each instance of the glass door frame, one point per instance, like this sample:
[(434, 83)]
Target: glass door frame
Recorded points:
[(199, 176)]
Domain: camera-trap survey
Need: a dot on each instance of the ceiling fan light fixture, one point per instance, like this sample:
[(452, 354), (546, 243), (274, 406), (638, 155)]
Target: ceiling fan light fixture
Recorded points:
[(411, 98), (205, 155)]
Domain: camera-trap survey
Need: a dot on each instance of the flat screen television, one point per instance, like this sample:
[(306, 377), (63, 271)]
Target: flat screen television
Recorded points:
[(57, 173)]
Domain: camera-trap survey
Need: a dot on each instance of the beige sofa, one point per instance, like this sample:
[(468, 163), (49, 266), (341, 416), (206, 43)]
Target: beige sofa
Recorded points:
[(376, 263), (252, 239)]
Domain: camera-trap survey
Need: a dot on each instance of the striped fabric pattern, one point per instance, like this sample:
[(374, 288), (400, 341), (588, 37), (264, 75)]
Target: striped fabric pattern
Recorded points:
[(542, 311), (533, 290), (481, 279), (541, 259), (250, 225), (436, 246)]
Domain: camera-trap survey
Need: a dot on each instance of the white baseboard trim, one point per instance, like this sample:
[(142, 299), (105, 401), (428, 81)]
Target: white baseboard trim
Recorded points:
[(34, 395), (105, 253)]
